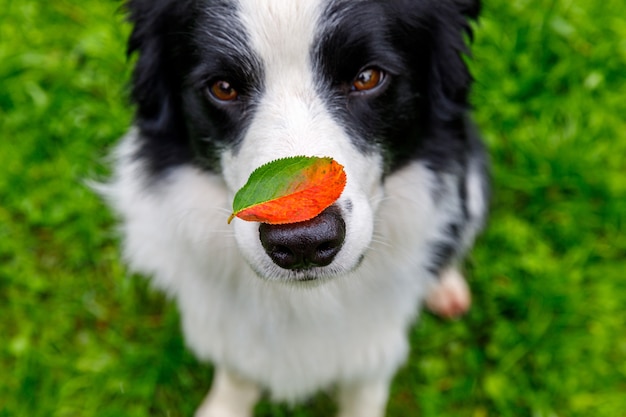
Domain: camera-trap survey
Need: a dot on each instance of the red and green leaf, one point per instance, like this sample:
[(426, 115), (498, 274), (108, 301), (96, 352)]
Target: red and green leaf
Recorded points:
[(289, 190)]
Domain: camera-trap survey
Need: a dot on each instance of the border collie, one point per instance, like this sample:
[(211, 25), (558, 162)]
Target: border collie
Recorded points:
[(222, 87)]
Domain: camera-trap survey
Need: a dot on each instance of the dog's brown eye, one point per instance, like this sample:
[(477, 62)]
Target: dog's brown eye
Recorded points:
[(223, 91), (368, 79)]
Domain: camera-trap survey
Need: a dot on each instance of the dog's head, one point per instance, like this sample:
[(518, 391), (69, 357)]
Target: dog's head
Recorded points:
[(229, 85)]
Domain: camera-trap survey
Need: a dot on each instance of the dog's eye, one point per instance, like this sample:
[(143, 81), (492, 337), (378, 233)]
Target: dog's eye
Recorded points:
[(368, 79), (223, 91)]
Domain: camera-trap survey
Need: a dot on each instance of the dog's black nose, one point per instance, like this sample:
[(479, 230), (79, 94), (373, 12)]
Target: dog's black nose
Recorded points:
[(307, 244)]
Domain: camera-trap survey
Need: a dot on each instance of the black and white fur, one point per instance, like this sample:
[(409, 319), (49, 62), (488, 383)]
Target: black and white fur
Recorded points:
[(416, 192)]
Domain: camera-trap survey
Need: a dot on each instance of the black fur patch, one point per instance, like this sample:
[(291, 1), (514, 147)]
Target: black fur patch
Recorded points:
[(421, 112), (183, 47)]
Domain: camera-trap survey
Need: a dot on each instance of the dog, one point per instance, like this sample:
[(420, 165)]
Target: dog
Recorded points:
[(222, 87)]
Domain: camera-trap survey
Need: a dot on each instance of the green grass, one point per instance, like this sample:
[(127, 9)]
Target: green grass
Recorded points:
[(547, 332)]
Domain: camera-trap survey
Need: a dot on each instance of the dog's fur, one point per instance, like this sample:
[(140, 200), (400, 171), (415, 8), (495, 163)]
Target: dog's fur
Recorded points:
[(416, 192)]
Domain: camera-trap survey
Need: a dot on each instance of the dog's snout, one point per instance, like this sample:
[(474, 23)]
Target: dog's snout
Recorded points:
[(307, 244)]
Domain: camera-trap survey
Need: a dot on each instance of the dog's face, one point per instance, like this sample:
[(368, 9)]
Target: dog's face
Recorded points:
[(231, 85)]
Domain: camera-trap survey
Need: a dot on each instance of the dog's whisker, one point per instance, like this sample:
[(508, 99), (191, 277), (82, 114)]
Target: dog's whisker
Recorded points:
[(382, 242), (222, 233), (226, 211), (205, 211)]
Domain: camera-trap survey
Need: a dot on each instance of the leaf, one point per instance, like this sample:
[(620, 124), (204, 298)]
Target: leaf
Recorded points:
[(289, 190)]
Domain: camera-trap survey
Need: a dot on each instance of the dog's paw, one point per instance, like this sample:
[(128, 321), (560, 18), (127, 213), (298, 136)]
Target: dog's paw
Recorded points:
[(230, 396), (211, 412), (213, 408), (450, 296), (217, 411)]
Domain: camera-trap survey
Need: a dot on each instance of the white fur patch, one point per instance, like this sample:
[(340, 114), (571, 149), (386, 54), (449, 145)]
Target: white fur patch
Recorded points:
[(291, 119)]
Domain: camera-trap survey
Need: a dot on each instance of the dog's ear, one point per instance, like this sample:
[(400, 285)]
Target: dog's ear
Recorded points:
[(470, 8), (449, 78), (158, 26)]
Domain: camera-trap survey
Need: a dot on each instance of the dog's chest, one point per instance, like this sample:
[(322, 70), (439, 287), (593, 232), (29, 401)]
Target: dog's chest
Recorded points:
[(342, 328)]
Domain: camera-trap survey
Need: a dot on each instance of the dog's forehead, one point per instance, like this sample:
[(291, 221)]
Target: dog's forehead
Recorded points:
[(292, 29), (274, 24), (281, 33)]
